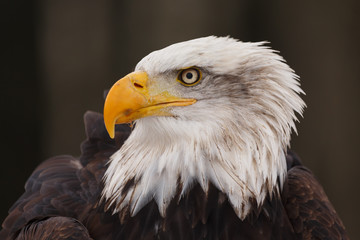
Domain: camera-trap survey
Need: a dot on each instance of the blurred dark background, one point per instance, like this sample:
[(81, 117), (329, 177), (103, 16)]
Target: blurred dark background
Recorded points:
[(59, 56)]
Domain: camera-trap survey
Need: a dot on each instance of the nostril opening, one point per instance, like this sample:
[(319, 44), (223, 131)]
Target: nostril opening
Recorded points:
[(138, 85)]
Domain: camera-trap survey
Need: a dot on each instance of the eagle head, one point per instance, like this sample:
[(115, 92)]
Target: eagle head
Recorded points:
[(209, 110)]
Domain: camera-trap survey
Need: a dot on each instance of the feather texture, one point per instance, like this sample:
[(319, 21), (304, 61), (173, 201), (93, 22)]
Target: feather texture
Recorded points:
[(48, 203)]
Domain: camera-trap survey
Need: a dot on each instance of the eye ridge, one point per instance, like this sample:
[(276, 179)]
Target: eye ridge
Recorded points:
[(189, 76)]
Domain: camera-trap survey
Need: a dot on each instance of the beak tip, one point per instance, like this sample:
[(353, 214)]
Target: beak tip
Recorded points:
[(112, 135), (110, 128)]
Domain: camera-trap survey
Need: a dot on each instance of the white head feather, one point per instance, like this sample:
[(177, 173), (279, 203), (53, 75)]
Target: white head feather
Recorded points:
[(235, 136)]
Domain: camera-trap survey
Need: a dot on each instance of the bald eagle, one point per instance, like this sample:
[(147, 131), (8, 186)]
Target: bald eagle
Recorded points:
[(205, 157)]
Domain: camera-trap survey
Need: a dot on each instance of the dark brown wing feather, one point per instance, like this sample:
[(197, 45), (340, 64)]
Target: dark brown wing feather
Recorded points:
[(70, 187), (307, 206), (60, 228), (49, 192), (61, 199)]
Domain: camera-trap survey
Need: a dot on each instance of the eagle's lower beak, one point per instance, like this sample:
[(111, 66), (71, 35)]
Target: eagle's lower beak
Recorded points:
[(130, 99)]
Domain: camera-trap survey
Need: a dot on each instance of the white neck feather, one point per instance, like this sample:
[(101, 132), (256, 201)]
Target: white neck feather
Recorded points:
[(240, 159)]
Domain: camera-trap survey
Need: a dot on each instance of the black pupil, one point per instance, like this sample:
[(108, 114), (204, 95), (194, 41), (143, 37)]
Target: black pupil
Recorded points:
[(189, 75)]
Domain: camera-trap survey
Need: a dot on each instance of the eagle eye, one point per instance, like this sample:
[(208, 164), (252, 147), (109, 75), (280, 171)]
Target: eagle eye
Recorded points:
[(189, 76)]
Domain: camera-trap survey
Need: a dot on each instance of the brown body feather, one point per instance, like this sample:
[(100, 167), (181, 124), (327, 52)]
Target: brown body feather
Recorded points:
[(62, 201)]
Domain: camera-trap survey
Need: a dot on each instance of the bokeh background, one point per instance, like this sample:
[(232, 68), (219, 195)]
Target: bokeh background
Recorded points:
[(58, 57)]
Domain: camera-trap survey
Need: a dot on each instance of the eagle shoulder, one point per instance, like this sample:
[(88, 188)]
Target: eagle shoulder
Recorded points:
[(67, 187), (308, 208), (59, 228)]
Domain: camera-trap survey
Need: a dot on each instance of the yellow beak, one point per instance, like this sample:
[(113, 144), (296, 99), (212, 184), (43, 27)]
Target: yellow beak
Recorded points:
[(130, 99)]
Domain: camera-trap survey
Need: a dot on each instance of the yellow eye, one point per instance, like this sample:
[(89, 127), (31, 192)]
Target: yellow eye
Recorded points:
[(189, 76)]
